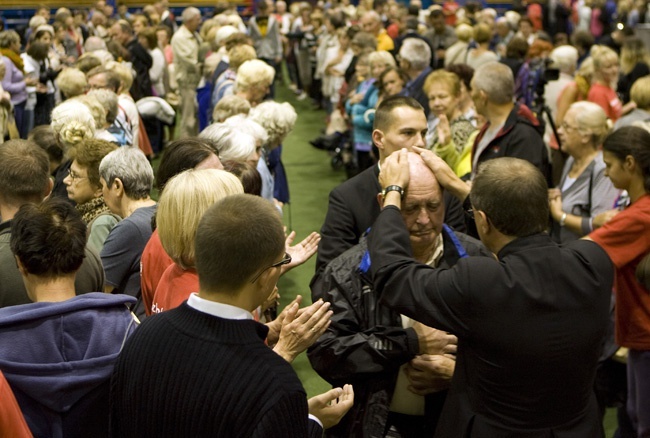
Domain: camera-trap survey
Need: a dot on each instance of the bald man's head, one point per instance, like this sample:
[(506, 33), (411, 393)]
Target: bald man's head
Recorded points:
[(423, 209)]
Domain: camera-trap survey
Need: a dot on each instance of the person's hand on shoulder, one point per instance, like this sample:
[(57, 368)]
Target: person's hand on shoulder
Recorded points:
[(331, 406)]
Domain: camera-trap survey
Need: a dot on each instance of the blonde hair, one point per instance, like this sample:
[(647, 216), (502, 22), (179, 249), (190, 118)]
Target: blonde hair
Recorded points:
[(464, 32), (600, 54), (187, 196), (240, 54), (278, 119), (640, 93), (72, 82), (254, 73), (72, 123), (451, 80), (97, 110), (381, 57), (123, 72), (482, 33), (230, 106), (633, 52), (591, 119)]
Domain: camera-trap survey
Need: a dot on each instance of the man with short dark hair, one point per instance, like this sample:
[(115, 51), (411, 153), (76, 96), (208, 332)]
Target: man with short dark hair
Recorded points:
[(58, 352), (400, 368), (202, 369), (530, 323), (399, 123), (441, 36), (25, 179)]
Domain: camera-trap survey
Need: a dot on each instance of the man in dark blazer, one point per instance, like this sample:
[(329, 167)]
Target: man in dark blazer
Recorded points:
[(353, 207), (530, 325)]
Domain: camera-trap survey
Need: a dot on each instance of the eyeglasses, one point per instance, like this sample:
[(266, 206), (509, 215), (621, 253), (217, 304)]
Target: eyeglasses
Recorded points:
[(567, 127), (285, 261), (74, 177)]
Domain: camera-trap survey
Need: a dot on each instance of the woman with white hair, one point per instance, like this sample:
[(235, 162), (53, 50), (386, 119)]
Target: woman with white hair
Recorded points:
[(278, 119), (126, 178), (72, 124), (584, 190), (232, 144), (565, 59), (254, 79), (246, 125)]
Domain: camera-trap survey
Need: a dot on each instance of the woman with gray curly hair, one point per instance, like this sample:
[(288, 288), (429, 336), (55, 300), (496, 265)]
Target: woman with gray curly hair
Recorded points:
[(278, 119), (72, 124)]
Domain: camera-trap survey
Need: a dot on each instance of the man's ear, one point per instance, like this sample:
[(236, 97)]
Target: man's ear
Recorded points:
[(378, 138), (380, 200), (47, 191), (484, 223)]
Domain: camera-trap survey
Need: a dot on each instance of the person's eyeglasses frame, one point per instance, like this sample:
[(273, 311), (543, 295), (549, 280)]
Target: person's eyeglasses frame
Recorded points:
[(285, 261)]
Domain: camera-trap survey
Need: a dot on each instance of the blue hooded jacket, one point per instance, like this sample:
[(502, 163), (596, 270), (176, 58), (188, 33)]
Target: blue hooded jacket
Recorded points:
[(58, 358)]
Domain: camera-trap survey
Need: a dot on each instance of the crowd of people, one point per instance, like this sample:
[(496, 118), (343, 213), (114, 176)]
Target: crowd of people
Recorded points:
[(482, 272)]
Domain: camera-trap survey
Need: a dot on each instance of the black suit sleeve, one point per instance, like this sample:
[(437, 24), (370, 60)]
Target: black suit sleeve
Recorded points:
[(436, 297), (288, 417), (339, 232)]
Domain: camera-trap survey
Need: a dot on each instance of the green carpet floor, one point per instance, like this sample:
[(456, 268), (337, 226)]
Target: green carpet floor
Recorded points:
[(311, 178)]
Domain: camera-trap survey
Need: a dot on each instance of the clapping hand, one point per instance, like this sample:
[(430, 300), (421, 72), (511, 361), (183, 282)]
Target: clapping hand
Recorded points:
[(300, 252), (301, 328)]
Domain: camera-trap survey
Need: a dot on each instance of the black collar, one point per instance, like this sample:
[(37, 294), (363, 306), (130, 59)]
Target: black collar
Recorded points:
[(5, 225)]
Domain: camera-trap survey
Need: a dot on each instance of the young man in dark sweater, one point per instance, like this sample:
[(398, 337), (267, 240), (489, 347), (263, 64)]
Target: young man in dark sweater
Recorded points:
[(203, 369)]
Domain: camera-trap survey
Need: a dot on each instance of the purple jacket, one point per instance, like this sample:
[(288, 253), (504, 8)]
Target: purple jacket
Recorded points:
[(14, 83)]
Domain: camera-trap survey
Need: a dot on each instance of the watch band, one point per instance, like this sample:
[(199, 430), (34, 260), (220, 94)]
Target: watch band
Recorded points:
[(392, 188)]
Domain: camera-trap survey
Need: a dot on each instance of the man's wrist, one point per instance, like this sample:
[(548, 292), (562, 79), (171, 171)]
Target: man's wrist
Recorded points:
[(393, 198)]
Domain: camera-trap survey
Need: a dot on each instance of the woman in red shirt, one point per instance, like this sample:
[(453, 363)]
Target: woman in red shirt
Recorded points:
[(626, 239)]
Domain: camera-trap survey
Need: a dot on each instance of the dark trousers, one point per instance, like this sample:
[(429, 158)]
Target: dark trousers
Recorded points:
[(21, 121)]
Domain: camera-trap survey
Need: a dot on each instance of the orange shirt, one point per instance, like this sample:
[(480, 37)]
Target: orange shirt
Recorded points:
[(12, 422)]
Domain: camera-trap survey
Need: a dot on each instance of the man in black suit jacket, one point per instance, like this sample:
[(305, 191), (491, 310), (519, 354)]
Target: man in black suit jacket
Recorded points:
[(530, 325), (353, 207)]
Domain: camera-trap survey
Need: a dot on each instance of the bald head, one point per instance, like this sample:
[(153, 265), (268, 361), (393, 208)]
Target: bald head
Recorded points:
[(371, 23), (423, 209), (422, 178)]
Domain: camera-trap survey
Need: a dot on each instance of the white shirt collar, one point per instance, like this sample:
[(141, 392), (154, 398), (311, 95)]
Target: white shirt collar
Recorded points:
[(221, 310)]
